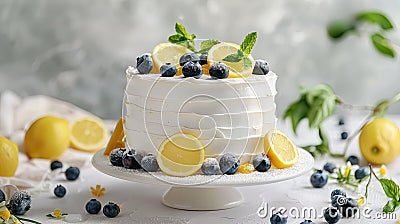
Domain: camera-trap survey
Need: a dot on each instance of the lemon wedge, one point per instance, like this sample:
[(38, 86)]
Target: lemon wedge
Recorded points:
[(180, 155), (236, 69), (116, 139), (167, 52), (88, 134), (280, 149)]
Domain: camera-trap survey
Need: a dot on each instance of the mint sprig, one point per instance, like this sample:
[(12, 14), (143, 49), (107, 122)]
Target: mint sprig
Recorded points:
[(182, 37), (244, 51), (206, 45), (392, 191)]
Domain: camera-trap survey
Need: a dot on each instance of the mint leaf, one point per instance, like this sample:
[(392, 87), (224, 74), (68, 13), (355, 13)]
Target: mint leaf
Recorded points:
[(296, 111), (176, 38), (377, 18), (246, 63), (180, 29), (206, 45), (338, 29), (390, 188), (232, 58), (320, 109), (382, 45), (390, 206), (248, 43)]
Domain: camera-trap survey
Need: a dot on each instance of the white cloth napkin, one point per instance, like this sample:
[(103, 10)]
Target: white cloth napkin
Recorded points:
[(16, 114)]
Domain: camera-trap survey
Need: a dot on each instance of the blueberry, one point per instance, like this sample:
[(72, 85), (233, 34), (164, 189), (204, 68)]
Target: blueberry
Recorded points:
[(188, 57), (2, 196), (261, 67), (338, 200), (56, 165), (329, 167), (229, 164), (278, 218), (337, 192), (131, 159), (72, 173), (111, 210), (307, 222), (167, 70), (261, 163), (60, 191), (219, 70), (350, 208), (116, 156), (210, 166), (353, 160), (361, 173), (332, 215), (192, 69), (319, 178), (144, 63), (20, 203), (93, 206), (344, 135), (149, 163), (203, 58), (341, 121)]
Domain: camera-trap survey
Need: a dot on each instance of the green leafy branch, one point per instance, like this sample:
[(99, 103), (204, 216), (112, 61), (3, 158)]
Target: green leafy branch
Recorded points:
[(243, 53), (319, 103), (340, 28)]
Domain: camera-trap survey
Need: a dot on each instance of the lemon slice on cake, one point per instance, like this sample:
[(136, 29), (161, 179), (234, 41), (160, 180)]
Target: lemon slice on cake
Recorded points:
[(167, 52), (88, 134), (180, 155), (280, 149), (236, 69)]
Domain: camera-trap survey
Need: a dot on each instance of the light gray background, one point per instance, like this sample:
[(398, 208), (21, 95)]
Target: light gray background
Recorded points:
[(78, 50)]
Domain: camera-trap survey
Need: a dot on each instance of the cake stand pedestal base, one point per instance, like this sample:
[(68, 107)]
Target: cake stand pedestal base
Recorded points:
[(202, 198)]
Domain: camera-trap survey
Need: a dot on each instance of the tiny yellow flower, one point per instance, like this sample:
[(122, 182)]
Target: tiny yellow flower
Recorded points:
[(57, 213), (361, 201), (347, 170), (5, 214), (98, 191), (382, 170)]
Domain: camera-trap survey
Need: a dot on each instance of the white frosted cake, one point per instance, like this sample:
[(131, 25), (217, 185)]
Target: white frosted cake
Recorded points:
[(226, 115)]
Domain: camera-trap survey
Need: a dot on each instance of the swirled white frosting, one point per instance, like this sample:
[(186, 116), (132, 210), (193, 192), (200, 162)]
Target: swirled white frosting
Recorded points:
[(227, 115)]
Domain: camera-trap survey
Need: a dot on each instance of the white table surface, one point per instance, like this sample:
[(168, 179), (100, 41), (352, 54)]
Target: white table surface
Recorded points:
[(141, 203)]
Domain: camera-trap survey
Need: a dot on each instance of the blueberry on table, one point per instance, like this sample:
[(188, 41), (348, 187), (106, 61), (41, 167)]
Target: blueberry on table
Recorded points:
[(189, 57), (319, 179), (361, 173), (229, 163), (60, 191), (219, 70), (307, 222), (210, 166), (329, 167), (203, 58), (261, 67), (167, 70), (192, 69), (116, 156), (353, 160), (56, 165), (149, 163), (332, 215), (262, 163), (350, 208), (111, 210), (344, 135), (2, 196), (131, 159), (93, 206), (72, 173), (144, 63), (20, 203), (337, 192), (278, 218)]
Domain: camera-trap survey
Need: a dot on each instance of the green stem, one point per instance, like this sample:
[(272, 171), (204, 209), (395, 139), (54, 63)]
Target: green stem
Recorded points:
[(28, 220), (369, 182)]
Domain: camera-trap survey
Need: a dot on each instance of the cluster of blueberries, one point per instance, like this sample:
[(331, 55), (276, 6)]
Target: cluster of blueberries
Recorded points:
[(341, 206), (344, 134), (192, 66), (320, 177), (20, 202), (93, 206), (131, 159)]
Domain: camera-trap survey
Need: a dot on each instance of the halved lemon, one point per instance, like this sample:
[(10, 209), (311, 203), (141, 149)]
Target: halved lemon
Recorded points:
[(116, 139), (236, 69), (167, 52), (88, 134), (180, 155), (280, 149)]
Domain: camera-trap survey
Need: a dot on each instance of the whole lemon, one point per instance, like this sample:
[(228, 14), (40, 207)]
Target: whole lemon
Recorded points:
[(380, 141), (47, 138), (8, 157)]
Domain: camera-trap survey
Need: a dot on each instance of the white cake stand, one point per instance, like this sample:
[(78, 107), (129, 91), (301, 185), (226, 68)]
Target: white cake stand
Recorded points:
[(201, 192)]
